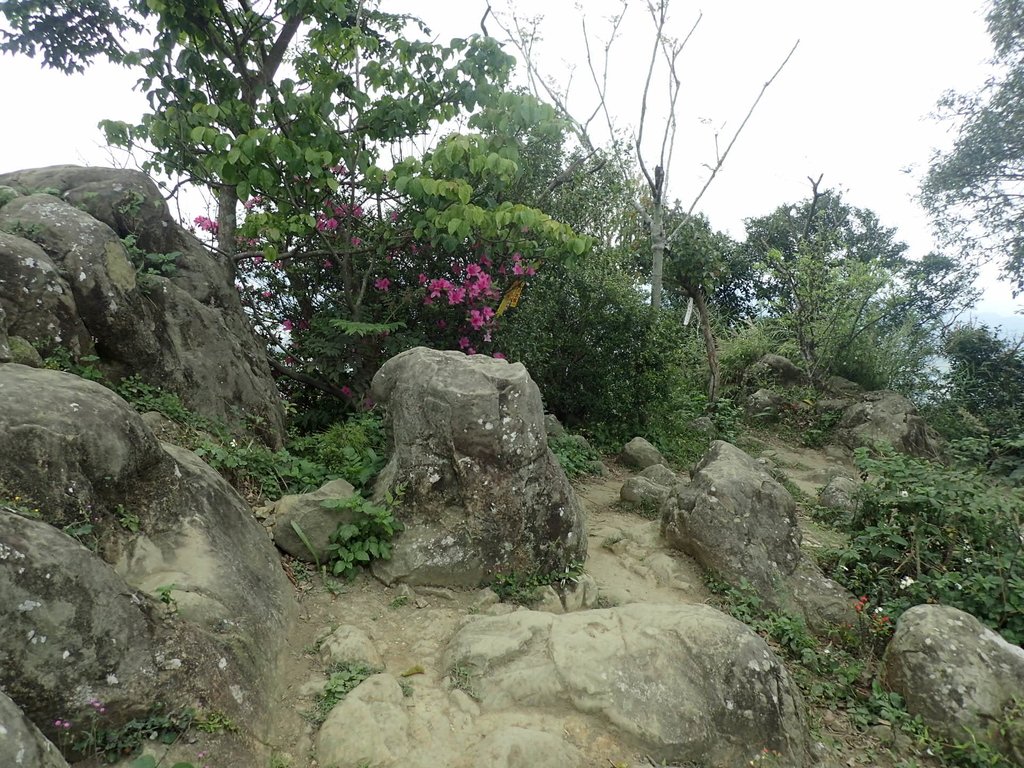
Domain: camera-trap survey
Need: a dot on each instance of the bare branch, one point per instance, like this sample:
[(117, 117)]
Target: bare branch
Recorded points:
[(721, 160)]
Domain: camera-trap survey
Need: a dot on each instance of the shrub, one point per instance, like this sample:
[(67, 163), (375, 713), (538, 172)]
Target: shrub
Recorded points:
[(577, 458), (353, 449), (924, 532), (367, 537)]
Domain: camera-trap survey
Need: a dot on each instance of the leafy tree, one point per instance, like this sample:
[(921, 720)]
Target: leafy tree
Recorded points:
[(839, 284), (986, 378), (974, 190), (289, 107)]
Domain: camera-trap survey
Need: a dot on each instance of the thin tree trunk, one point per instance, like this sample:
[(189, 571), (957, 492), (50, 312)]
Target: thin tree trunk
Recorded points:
[(657, 255), (227, 221), (714, 372)]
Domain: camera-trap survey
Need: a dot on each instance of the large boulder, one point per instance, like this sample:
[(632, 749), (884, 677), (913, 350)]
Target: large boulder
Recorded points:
[(482, 493), (963, 679), (21, 743), (687, 683), (738, 522), (887, 417), (159, 521), (68, 282), (640, 454), (735, 519)]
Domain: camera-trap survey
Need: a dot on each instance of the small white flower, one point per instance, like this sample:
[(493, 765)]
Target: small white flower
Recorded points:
[(904, 494), (905, 582)]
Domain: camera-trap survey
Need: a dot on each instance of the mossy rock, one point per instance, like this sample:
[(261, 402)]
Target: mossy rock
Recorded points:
[(24, 353), (7, 194)]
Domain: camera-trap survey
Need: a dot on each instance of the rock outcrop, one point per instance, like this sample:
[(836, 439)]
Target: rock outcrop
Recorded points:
[(740, 523), (959, 676), (686, 683), (161, 527), (68, 282), (887, 417), (22, 745), (482, 493)]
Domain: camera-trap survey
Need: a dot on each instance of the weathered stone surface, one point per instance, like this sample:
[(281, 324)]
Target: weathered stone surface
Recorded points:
[(553, 426), (74, 631), (5, 346), (837, 385), (349, 644), (777, 369), (887, 417), (318, 523), (21, 743), (369, 727), (735, 520), (958, 675), (839, 493), (513, 747), (73, 440), (686, 682), (483, 493), (640, 454), (186, 332), (23, 353), (660, 474), (38, 298), (82, 454), (640, 490)]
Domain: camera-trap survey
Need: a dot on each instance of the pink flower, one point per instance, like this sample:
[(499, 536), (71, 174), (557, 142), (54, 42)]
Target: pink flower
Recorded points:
[(437, 286), (346, 391), (394, 215), (383, 284), (473, 270), (267, 294), (498, 355), (476, 319), (442, 324), (356, 242), (422, 278), (326, 225), (464, 342), (484, 261), (518, 269), (287, 325), (456, 295), (328, 263)]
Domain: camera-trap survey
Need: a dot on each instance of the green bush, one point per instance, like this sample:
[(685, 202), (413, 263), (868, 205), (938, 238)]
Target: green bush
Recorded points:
[(577, 458), (354, 449), (924, 532), (367, 537)]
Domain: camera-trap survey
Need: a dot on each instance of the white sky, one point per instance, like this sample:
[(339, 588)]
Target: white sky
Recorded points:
[(853, 103)]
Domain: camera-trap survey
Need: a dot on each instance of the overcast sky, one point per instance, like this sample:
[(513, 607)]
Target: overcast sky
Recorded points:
[(852, 104)]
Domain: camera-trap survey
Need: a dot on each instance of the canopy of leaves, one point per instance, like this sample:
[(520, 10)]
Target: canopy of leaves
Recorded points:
[(975, 191)]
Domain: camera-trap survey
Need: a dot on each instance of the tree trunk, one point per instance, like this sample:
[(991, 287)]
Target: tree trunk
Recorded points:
[(227, 221), (714, 375), (657, 255)]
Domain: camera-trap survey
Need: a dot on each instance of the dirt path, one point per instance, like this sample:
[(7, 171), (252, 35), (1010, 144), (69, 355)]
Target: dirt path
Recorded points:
[(410, 629)]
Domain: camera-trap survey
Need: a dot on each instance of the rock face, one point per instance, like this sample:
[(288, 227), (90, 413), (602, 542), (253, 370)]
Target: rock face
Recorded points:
[(735, 519), (159, 521), (687, 683), (640, 454), (21, 743), (67, 282), (740, 523), (890, 418), (959, 676), (483, 494)]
